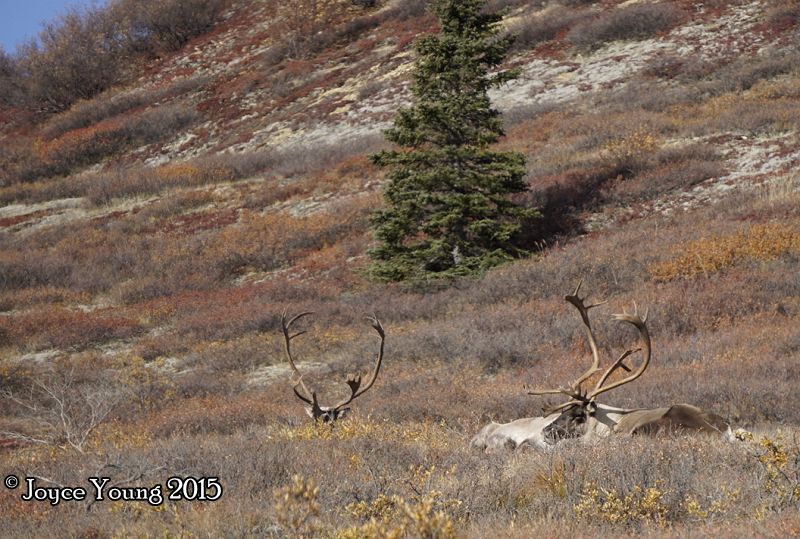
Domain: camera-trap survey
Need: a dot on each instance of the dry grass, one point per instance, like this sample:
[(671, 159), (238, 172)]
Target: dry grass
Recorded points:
[(80, 147), (162, 297), (635, 21), (537, 27), (419, 476), (455, 356), (86, 113)]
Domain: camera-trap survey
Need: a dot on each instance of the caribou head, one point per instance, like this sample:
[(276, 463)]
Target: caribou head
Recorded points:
[(328, 414), (581, 416)]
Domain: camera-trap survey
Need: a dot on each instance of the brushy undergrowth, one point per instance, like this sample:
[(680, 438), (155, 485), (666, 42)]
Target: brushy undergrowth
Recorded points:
[(140, 337), (710, 255)]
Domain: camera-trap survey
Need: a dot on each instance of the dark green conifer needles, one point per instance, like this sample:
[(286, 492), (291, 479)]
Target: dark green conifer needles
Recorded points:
[(448, 210)]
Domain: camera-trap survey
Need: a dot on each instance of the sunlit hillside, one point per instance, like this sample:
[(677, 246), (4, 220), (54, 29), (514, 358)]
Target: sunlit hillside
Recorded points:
[(153, 230)]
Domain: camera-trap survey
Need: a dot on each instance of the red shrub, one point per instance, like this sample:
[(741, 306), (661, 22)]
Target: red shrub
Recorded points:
[(61, 328)]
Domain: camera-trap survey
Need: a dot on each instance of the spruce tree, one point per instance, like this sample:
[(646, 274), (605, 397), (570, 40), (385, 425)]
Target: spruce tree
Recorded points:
[(447, 199)]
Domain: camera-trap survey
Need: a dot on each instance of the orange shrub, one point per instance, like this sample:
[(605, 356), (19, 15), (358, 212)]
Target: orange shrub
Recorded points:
[(114, 103), (88, 145), (631, 153), (193, 174), (18, 160), (711, 255), (82, 145), (212, 414), (106, 186), (266, 242), (353, 171), (10, 299), (61, 328)]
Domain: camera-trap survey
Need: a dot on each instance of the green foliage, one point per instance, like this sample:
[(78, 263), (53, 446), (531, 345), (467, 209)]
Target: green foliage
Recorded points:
[(448, 209)]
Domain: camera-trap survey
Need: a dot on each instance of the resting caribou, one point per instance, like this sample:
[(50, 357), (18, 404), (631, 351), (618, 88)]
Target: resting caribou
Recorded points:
[(581, 416), (328, 414)]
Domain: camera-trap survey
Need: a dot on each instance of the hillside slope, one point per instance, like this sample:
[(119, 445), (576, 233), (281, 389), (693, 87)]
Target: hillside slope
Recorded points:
[(151, 237)]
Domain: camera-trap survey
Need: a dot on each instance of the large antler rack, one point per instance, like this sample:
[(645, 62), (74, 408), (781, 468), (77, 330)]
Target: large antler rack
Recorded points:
[(574, 391), (301, 390)]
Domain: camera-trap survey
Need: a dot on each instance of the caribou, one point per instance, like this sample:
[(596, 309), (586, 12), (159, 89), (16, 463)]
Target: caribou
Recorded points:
[(328, 414), (581, 416)]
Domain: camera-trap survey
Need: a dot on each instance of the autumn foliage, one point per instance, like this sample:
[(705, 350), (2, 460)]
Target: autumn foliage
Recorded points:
[(152, 233)]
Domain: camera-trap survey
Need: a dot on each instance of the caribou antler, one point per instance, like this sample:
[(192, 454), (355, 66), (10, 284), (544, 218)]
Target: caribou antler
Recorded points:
[(618, 364), (354, 380), (640, 323), (309, 397), (574, 390), (329, 413)]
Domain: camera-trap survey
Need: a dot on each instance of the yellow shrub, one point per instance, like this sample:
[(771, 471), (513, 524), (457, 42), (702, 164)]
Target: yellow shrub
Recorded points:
[(632, 151), (781, 464), (297, 508), (395, 517), (191, 174), (710, 255), (639, 505), (718, 507)]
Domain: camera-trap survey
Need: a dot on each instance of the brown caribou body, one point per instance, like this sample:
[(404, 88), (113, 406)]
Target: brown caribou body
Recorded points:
[(583, 417)]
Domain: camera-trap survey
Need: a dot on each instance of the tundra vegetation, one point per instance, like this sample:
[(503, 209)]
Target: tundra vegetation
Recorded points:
[(143, 282)]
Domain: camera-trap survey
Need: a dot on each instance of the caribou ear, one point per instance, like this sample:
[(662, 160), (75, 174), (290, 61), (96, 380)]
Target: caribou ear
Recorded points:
[(310, 412), (340, 414), (591, 408)]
